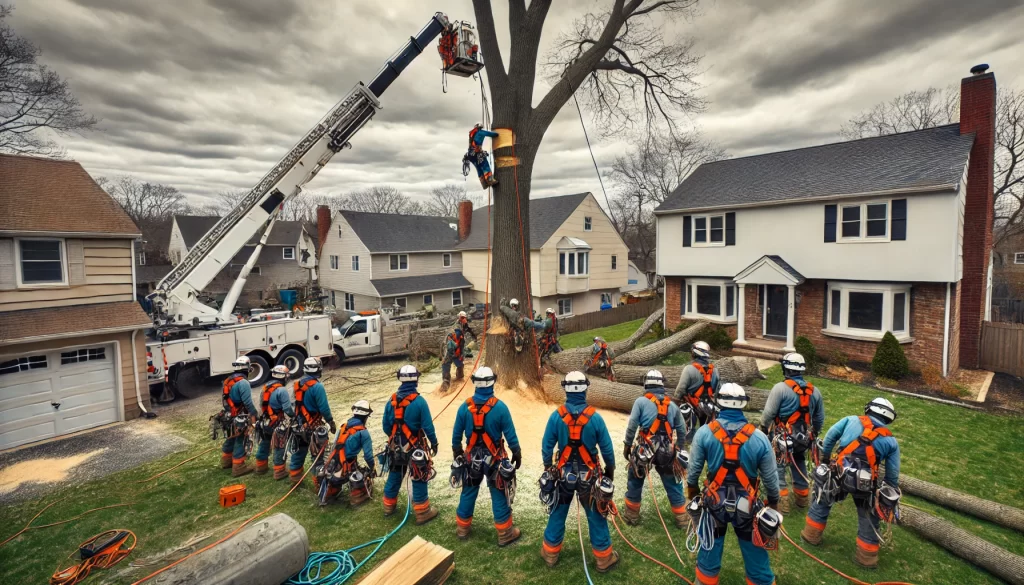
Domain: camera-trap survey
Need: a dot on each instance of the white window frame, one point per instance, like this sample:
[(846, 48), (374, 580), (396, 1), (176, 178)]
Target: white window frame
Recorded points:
[(398, 262), (446, 260), (888, 291), (561, 304), (334, 299), (335, 261), (429, 296), (707, 243), (355, 263), (563, 264), (457, 291), (142, 257), (285, 252), (350, 302), (722, 284), (63, 264), (863, 225), (1018, 258), (588, 224)]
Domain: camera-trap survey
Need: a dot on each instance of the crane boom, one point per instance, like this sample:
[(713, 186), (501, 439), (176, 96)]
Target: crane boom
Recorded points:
[(175, 301)]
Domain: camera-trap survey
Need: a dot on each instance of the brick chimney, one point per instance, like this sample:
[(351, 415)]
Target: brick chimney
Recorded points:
[(465, 219), (977, 115), (323, 226)]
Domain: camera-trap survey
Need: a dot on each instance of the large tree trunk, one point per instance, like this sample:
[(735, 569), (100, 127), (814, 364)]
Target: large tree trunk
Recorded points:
[(619, 396), (740, 370), (650, 354), (996, 560), (424, 343), (1001, 514)]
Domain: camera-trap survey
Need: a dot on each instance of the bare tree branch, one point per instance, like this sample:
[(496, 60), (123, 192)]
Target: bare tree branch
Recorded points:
[(444, 201), (380, 199)]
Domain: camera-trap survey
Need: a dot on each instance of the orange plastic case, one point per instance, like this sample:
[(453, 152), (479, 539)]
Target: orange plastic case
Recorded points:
[(232, 495)]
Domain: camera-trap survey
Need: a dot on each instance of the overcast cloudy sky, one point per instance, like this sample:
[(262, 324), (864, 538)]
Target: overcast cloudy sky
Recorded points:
[(207, 95)]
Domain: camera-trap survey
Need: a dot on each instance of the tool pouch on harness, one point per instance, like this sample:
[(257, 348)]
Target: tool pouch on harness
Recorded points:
[(856, 478), (548, 484), (421, 467), (318, 438), (602, 495), (826, 489), (220, 423), (664, 453), (503, 478), (479, 466), (281, 432), (641, 457), (576, 480), (460, 472)]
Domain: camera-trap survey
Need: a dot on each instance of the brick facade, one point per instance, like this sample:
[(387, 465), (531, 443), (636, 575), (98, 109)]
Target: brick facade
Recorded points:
[(752, 319), (954, 328), (673, 296)]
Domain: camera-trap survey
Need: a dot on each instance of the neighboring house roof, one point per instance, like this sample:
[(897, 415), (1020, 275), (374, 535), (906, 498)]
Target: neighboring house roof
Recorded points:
[(406, 285), (194, 227), (923, 160), (45, 195), (546, 216), (152, 273), (73, 321), (390, 232)]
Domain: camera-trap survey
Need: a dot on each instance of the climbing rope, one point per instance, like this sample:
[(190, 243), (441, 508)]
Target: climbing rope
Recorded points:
[(654, 498), (113, 548), (853, 580), (596, 169), (526, 267), (583, 552), (615, 512), (31, 526)]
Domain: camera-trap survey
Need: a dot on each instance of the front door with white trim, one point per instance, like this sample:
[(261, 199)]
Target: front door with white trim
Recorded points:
[(776, 311)]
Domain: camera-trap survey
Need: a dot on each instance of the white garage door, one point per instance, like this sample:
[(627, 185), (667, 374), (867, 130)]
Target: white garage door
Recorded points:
[(51, 393)]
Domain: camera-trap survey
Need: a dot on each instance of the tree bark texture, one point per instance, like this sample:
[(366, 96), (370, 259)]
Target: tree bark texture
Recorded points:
[(425, 343), (994, 559), (1000, 514), (739, 370), (650, 354), (619, 396), (622, 346)]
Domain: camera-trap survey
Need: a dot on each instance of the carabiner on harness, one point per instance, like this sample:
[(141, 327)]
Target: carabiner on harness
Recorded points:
[(640, 458), (548, 491), (505, 479), (826, 487), (603, 495), (680, 465), (421, 467), (458, 475)]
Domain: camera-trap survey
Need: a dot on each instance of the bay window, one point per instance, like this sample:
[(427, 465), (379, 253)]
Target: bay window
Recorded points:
[(867, 310), (574, 263), (712, 299)]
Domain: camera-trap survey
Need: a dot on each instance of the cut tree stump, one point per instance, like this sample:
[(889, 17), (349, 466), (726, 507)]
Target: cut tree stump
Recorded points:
[(654, 352), (417, 563), (619, 396), (995, 512), (995, 560), (740, 370)]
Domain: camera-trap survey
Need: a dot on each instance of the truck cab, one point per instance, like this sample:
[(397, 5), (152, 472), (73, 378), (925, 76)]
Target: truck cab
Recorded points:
[(359, 336)]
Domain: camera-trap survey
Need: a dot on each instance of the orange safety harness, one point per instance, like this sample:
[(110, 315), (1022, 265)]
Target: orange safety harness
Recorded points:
[(300, 401), (705, 390), (344, 434), (602, 353), (399, 408), (661, 424), (804, 411), (265, 402), (229, 404), (550, 337), (479, 414), (447, 45), (576, 424), (731, 463), (457, 340), (865, 444)]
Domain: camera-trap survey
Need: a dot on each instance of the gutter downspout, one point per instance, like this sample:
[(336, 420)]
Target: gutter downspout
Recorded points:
[(135, 374), (945, 336)]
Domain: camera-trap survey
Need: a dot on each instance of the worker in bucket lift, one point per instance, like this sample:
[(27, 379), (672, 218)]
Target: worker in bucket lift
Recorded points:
[(453, 345), (578, 432), (548, 342), (312, 410), (485, 423), (410, 431), (698, 385), (793, 416), (236, 398), (738, 458), (276, 404), (477, 156), (657, 418), (865, 443), (353, 438)]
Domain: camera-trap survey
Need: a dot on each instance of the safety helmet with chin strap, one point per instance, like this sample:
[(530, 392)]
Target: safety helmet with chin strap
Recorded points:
[(575, 382), (241, 364), (881, 409), (312, 366), (408, 373), (362, 408), (483, 377), (793, 364), (280, 372), (550, 311), (701, 349), (732, 395), (514, 303), (599, 339), (654, 379)]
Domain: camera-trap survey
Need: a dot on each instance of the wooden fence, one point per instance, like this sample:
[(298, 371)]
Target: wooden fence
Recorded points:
[(619, 314), (1008, 310), (1002, 347)]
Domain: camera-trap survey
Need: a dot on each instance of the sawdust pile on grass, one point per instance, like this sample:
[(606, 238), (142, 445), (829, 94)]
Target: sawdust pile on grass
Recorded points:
[(43, 470)]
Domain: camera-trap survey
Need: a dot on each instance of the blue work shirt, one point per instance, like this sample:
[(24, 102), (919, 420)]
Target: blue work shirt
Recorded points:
[(360, 441), (417, 414), (241, 394), (481, 134), (315, 399), (645, 412), (887, 450), (756, 455), (497, 423), (783, 402), (691, 379), (594, 436), (281, 401)]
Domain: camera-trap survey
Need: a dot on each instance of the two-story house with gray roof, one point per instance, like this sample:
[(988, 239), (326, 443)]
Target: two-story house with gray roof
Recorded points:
[(381, 260), (842, 242)]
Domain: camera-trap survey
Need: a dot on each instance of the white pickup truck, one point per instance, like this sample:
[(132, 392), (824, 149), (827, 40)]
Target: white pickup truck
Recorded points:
[(371, 334)]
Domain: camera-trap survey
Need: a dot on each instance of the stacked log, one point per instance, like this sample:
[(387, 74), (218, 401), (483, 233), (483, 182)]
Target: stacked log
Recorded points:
[(424, 343), (739, 370), (1000, 514), (650, 354)]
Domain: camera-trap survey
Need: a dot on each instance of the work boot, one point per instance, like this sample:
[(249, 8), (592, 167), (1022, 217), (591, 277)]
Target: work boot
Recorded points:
[(631, 513), (866, 558), (445, 385), (463, 527), (295, 475), (225, 460), (801, 501), (240, 469), (682, 518), (459, 373), (357, 498), (389, 506), (280, 472), (783, 505), (424, 513), (509, 535), (812, 534), (550, 554), (606, 562), (261, 467)]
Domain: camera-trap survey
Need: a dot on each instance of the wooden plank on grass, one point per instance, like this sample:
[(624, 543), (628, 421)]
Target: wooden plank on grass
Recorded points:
[(417, 563)]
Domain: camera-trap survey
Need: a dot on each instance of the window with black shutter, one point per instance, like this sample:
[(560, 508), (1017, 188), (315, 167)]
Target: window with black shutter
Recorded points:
[(899, 219), (830, 223), (730, 228)]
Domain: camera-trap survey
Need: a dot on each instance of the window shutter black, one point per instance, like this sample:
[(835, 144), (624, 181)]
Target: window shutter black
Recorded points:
[(830, 223), (687, 229), (899, 219), (730, 228), (825, 306)]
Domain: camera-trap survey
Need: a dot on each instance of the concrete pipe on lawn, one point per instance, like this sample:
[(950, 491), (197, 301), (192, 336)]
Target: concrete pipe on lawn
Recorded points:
[(267, 552)]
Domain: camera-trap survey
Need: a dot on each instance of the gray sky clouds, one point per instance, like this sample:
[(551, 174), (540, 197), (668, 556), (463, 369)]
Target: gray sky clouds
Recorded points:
[(207, 95)]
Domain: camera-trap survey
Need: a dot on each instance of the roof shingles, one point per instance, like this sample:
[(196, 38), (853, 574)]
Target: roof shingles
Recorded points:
[(389, 287), (546, 216), (388, 232), (68, 321)]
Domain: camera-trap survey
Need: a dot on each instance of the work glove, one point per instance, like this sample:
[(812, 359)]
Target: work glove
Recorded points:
[(517, 457), (692, 491), (626, 449), (433, 449), (609, 472), (333, 427), (457, 451)]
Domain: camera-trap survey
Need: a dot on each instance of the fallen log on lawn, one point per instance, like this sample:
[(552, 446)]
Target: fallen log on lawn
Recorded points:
[(967, 546), (654, 352), (1000, 514), (624, 345), (425, 343), (619, 396), (740, 370)]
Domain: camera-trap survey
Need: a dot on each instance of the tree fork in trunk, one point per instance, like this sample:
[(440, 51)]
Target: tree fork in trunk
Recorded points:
[(1000, 514)]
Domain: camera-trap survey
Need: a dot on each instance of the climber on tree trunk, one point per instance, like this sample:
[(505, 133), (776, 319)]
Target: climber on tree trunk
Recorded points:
[(477, 156)]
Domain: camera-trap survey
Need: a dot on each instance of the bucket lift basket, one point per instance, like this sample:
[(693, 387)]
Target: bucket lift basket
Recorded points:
[(459, 51)]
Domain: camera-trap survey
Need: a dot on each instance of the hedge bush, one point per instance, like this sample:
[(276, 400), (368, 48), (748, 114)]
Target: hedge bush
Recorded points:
[(805, 348), (889, 360), (718, 338)]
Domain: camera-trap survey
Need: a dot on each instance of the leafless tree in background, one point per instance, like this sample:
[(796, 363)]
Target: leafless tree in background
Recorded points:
[(444, 201), (33, 99), (380, 199), (144, 201)]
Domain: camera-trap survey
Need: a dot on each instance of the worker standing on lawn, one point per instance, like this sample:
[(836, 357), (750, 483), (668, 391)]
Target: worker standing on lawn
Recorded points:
[(463, 324), (793, 416), (697, 388), (579, 432), (483, 421), (353, 438), (658, 419), (600, 359), (409, 428), (313, 410), (236, 398), (865, 443), (738, 457), (453, 345), (276, 404)]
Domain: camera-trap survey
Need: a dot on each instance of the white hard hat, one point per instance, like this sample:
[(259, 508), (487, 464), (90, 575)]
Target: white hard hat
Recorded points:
[(241, 363), (514, 303), (654, 379), (881, 409), (701, 349), (732, 395), (311, 365), (793, 362), (280, 372), (483, 377), (550, 311), (408, 373), (462, 314), (575, 382), (362, 408), (599, 339)]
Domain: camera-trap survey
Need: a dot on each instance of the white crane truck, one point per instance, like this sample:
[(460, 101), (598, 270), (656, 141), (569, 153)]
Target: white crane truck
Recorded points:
[(190, 334)]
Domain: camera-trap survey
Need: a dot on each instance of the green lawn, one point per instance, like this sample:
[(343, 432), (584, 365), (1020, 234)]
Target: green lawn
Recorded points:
[(970, 451), (610, 333)]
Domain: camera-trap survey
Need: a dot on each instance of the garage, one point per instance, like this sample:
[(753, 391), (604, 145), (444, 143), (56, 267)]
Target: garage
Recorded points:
[(50, 393)]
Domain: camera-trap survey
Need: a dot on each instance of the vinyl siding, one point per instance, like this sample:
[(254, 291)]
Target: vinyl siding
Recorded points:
[(346, 246), (474, 268), (604, 242), (414, 302), (420, 264)]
